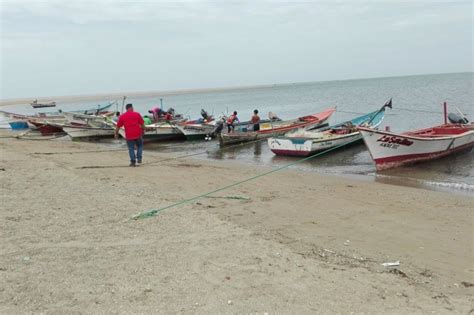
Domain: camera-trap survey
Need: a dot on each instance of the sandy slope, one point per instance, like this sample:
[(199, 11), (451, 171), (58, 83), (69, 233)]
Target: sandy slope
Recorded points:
[(302, 243)]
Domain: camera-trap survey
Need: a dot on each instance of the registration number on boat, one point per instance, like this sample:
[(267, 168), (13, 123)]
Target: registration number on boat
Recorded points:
[(389, 145)]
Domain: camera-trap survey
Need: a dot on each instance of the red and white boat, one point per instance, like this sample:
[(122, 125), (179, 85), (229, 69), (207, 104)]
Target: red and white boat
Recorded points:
[(390, 149)]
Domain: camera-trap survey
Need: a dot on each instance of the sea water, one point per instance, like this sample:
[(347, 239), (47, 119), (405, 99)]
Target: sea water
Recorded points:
[(417, 103)]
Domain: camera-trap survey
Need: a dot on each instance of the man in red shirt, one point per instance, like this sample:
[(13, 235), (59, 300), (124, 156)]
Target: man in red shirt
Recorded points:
[(134, 128)]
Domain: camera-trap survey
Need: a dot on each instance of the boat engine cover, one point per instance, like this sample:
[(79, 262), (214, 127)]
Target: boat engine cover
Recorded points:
[(456, 119)]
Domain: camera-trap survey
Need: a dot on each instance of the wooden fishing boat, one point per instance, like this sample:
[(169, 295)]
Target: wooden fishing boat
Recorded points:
[(18, 125), (389, 149), (46, 128), (308, 142), (88, 132), (196, 131), (35, 104), (50, 116), (83, 127), (78, 119), (50, 122), (162, 131), (274, 128)]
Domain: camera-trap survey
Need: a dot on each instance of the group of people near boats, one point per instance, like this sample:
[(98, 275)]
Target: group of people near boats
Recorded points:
[(254, 120), (135, 125), (302, 136), (310, 134)]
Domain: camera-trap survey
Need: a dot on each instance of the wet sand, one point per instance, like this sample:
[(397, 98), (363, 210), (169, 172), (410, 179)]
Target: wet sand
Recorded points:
[(302, 243)]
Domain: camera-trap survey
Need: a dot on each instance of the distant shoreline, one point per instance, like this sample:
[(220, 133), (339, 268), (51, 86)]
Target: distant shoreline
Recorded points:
[(119, 95)]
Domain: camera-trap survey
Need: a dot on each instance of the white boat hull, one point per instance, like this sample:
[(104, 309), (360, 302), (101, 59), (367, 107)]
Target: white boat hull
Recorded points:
[(293, 146), (391, 150), (82, 133), (158, 133), (196, 131)]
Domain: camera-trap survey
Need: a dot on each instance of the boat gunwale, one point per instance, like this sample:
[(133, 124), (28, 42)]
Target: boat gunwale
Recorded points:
[(431, 138)]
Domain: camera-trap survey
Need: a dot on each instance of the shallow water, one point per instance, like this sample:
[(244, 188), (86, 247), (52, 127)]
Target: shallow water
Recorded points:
[(417, 103)]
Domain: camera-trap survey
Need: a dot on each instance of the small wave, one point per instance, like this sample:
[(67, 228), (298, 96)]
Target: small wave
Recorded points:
[(461, 186), (439, 184)]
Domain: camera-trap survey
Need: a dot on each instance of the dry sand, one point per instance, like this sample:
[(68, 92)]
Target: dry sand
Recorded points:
[(303, 243)]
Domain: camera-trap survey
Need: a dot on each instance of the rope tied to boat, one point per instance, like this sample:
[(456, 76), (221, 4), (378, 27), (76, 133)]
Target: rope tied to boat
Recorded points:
[(154, 212)]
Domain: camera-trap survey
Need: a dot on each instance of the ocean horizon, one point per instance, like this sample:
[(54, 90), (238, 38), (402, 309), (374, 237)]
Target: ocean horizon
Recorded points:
[(193, 90)]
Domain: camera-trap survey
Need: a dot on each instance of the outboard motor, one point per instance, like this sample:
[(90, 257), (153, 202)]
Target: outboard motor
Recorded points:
[(217, 130), (204, 114), (456, 119), (273, 117)]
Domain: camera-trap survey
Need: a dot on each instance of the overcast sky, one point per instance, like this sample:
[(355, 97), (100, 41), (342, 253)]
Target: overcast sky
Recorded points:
[(86, 47)]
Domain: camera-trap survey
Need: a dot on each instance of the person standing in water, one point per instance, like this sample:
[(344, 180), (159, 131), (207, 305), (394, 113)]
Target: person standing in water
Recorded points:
[(134, 127), (255, 120), (230, 122)]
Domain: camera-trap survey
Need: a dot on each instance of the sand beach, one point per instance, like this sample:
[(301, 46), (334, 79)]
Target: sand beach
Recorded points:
[(297, 243)]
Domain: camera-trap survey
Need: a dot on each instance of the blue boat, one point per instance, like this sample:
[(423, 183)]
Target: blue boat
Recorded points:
[(18, 125), (309, 142)]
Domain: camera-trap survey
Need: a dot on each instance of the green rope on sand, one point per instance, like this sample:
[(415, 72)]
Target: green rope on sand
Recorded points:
[(229, 197), (146, 214), (154, 212)]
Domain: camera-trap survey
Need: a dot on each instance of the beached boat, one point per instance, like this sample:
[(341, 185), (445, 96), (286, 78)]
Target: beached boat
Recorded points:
[(82, 126), (101, 109), (38, 121), (389, 149), (35, 104), (308, 142), (196, 131), (88, 132), (45, 128), (9, 115), (18, 125), (43, 121), (274, 128), (78, 119), (161, 131)]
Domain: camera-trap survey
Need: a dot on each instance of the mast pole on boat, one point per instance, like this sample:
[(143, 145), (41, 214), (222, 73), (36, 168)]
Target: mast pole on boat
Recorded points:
[(445, 107)]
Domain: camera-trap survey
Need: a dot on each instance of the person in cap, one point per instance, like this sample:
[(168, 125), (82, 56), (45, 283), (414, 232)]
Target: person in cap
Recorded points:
[(134, 126)]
